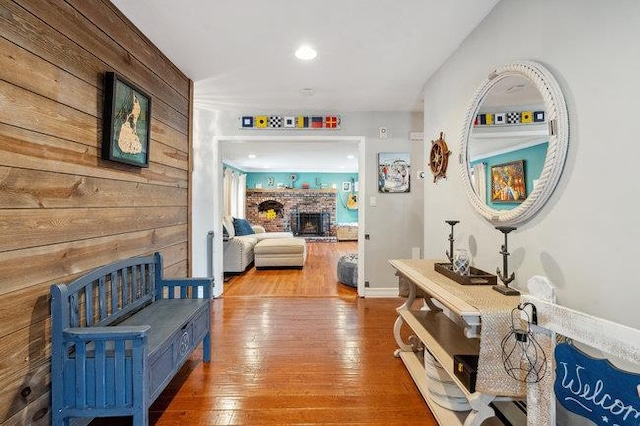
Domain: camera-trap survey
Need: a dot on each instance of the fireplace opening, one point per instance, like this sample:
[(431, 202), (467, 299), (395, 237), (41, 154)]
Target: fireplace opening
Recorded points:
[(310, 223), (270, 205)]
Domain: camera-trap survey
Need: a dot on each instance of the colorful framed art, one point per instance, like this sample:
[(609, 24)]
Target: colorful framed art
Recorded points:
[(394, 172), (508, 182), (126, 122)]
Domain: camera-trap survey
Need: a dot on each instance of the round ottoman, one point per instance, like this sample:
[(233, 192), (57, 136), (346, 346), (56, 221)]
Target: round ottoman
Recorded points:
[(348, 269)]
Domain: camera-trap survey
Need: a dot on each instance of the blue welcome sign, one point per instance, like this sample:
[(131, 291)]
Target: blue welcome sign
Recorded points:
[(595, 389)]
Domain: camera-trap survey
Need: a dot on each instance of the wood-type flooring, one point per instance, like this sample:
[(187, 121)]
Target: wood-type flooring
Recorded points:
[(295, 347)]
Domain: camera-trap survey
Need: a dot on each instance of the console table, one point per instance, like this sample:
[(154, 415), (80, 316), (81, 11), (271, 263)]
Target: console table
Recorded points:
[(452, 323)]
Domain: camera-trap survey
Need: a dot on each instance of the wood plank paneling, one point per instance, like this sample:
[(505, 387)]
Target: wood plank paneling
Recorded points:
[(20, 390), (34, 35), (37, 413), (23, 308), (28, 71), (34, 112), (63, 210), (61, 16), (174, 254), (110, 21), (21, 189), (27, 149), (36, 227), (22, 268), (29, 33), (167, 135), (24, 348), (176, 270)]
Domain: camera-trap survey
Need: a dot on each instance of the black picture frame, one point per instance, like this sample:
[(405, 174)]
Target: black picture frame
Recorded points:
[(127, 122)]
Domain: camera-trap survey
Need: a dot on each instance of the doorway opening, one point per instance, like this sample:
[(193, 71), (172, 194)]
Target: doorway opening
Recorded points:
[(297, 142)]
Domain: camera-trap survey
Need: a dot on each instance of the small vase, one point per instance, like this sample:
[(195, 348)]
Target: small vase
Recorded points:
[(461, 262)]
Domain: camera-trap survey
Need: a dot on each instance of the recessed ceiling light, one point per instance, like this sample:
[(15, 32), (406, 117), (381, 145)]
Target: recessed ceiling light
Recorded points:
[(350, 157), (307, 91), (252, 156), (306, 53)]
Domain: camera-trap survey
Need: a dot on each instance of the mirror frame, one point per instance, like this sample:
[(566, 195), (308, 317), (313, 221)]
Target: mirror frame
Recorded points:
[(558, 121)]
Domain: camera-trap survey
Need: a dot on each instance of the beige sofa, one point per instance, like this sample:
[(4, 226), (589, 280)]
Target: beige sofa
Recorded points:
[(239, 249)]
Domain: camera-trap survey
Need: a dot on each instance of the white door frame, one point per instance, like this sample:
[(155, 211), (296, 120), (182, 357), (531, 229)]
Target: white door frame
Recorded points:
[(217, 185)]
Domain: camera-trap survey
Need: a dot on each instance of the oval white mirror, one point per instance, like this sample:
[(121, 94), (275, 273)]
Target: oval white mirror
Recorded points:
[(514, 142)]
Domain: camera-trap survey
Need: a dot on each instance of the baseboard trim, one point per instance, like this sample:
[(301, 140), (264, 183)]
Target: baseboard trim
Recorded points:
[(381, 292)]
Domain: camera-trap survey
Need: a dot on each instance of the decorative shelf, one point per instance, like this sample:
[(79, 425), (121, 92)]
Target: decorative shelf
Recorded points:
[(447, 325)]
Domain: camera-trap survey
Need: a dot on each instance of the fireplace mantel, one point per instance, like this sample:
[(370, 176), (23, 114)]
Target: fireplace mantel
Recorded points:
[(293, 190)]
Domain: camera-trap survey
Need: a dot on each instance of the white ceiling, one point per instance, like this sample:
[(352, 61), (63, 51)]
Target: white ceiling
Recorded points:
[(305, 155), (372, 55)]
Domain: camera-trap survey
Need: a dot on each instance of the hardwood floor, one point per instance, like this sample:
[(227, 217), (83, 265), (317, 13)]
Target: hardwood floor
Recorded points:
[(318, 278), (295, 347)]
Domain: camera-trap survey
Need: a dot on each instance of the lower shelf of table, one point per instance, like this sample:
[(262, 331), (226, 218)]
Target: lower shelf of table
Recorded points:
[(444, 416)]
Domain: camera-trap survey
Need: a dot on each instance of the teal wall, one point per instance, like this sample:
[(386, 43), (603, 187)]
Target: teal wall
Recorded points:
[(533, 157), (315, 181)]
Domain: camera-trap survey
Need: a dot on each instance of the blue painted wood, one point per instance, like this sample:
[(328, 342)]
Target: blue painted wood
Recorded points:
[(595, 389), (111, 329)]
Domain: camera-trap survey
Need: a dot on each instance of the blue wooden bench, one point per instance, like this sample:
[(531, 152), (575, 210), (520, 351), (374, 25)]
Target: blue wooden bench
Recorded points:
[(119, 334)]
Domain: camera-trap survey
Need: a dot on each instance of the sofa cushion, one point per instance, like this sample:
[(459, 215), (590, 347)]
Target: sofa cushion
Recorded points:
[(258, 229), (246, 239), (272, 235), (273, 246), (242, 226)]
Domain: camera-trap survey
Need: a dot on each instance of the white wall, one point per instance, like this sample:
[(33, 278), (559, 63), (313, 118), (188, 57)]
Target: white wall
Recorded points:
[(395, 224), (586, 238)]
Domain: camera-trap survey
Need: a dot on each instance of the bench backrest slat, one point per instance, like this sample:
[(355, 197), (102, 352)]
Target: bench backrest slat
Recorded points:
[(73, 307), (135, 290), (102, 298), (126, 288), (113, 287), (88, 305)]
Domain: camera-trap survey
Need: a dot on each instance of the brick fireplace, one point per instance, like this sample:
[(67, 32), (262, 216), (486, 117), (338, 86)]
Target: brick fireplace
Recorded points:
[(306, 212)]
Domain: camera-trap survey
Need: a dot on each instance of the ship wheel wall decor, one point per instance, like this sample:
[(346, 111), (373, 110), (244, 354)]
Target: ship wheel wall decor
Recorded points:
[(439, 158)]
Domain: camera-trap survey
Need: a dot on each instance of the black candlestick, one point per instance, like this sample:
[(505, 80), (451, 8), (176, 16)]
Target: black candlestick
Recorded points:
[(450, 252), (506, 278)]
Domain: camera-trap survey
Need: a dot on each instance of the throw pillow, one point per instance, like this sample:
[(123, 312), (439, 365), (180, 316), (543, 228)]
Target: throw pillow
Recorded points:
[(227, 224), (242, 226)]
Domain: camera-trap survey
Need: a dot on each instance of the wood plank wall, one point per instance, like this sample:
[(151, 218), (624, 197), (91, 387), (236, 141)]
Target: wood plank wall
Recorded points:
[(63, 210)]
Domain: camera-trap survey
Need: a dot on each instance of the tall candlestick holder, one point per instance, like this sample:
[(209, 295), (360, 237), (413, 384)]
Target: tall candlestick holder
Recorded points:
[(451, 240), (504, 276)]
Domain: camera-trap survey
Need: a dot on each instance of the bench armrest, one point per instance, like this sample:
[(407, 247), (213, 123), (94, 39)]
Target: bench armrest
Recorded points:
[(184, 284), (120, 332)]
